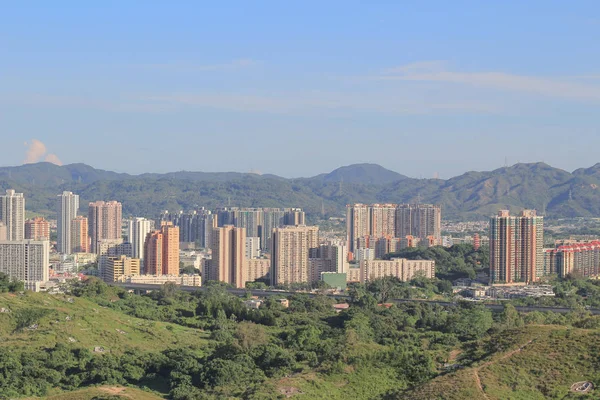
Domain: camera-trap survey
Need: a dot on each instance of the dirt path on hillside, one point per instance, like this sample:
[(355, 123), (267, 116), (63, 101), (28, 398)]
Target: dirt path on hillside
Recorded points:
[(114, 390), (504, 357)]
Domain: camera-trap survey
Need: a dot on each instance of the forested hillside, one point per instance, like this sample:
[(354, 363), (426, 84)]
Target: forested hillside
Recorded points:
[(474, 195)]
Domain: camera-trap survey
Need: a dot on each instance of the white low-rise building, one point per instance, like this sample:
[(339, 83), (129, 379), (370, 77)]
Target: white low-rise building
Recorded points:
[(183, 280)]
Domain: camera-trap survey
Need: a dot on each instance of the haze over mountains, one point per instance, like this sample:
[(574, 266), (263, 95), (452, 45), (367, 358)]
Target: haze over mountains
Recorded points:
[(473, 195)]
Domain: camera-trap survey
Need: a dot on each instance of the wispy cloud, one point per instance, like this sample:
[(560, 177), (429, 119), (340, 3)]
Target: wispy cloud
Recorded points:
[(308, 102), (436, 71), (238, 64)]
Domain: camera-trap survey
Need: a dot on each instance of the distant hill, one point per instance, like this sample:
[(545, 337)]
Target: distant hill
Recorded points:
[(473, 195), (363, 174)]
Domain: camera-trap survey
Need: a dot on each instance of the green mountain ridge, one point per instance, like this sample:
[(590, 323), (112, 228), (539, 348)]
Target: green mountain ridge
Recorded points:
[(472, 195)]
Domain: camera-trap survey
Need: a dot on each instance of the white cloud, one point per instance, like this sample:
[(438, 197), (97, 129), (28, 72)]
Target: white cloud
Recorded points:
[(307, 102), (550, 87), (35, 151)]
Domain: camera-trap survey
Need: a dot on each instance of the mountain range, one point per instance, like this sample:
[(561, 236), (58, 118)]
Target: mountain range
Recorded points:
[(474, 195)]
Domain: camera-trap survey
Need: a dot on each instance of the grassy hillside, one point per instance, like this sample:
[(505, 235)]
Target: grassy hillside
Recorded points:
[(306, 351), (104, 392), (537, 362), (81, 323)]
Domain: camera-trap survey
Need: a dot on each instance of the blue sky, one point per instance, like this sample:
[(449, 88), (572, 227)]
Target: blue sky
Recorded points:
[(300, 88)]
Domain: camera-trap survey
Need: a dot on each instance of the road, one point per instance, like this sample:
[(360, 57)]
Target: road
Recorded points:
[(262, 293)]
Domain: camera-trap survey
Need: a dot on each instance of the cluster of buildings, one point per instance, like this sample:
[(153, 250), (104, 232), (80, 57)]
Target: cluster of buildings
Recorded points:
[(378, 229), (581, 258), (240, 245), (196, 226), (517, 252)]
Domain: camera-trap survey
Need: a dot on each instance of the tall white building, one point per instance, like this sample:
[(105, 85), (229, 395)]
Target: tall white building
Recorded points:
[(12, 213), (137, 230), (68, 205), (26, 260), (252, 247)]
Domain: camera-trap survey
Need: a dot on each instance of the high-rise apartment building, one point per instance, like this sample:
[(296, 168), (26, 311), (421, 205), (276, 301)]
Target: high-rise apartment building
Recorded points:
[(26, 260), (516, 247), (294, 216), (37, 229), (170, 265), (12, 213), (421, 221), (3, 232), (104, 220), (161, 251), (78, 231), (358, 223), (260, 222), (336, 253), (290, 252), (272, 218), (137, 231), (369, 223), (67, 208), (228, 262), (383, 220)]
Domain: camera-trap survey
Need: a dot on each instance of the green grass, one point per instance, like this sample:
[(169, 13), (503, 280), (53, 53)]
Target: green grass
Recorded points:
[(90, 325), (551, 359), (104, 391)]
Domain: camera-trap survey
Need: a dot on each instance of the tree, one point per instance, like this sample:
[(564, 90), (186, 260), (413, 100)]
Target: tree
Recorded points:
[(470, 321)]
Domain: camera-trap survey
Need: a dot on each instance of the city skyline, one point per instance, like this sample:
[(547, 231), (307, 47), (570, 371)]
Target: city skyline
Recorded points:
[(390, 72)]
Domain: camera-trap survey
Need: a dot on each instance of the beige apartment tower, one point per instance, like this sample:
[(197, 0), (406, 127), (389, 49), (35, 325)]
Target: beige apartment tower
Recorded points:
[(290, 252), (105, 222), (228, 263)]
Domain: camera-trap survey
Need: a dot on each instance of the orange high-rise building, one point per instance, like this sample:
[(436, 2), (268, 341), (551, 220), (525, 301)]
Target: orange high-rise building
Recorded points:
[(161, 251), (37, 229), (80, 242)]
